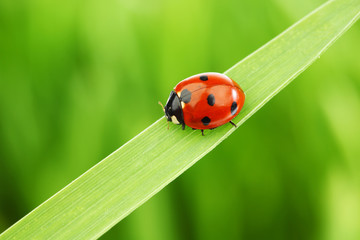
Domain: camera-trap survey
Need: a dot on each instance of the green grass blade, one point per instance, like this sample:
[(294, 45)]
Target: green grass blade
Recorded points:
[(112, 189)]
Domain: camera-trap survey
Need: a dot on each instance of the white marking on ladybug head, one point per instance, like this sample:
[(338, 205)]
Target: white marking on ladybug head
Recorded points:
[(174, 120), (182, 104)]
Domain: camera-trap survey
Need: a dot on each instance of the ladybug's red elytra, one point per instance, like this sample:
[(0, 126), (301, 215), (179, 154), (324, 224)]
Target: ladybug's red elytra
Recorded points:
[(204, 101)]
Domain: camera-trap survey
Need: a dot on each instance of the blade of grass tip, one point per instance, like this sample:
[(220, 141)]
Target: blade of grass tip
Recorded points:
[(108, 192)]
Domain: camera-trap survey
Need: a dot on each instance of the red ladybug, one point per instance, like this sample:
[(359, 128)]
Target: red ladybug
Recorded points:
[(204, 101)]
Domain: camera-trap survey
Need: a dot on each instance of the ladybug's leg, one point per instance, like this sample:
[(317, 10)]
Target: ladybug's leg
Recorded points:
[(183, 126), (232, 123), (202, 132)]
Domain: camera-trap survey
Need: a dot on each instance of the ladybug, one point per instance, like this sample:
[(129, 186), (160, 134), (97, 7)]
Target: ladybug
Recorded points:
[(204, 101)]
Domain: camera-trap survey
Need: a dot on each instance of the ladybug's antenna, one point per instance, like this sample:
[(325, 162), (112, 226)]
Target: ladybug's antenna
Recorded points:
[(162, 106), (164, 111)]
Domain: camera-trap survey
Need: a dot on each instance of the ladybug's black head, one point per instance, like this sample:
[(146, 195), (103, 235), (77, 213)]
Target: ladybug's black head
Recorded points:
[(173, 109)]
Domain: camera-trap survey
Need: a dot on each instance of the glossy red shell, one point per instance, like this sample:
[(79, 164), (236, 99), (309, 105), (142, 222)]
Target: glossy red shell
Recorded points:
[(225, 92)]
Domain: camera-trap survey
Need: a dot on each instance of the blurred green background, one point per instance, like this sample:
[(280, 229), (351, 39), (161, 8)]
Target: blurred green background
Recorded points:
[(80, 78)]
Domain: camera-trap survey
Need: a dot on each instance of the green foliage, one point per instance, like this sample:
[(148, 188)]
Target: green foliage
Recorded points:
[(116, 186)]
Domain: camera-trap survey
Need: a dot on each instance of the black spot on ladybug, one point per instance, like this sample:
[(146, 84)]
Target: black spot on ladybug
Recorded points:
[(185, 96), (203, 78), (206, 121), (211, 99), (234, 108)]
